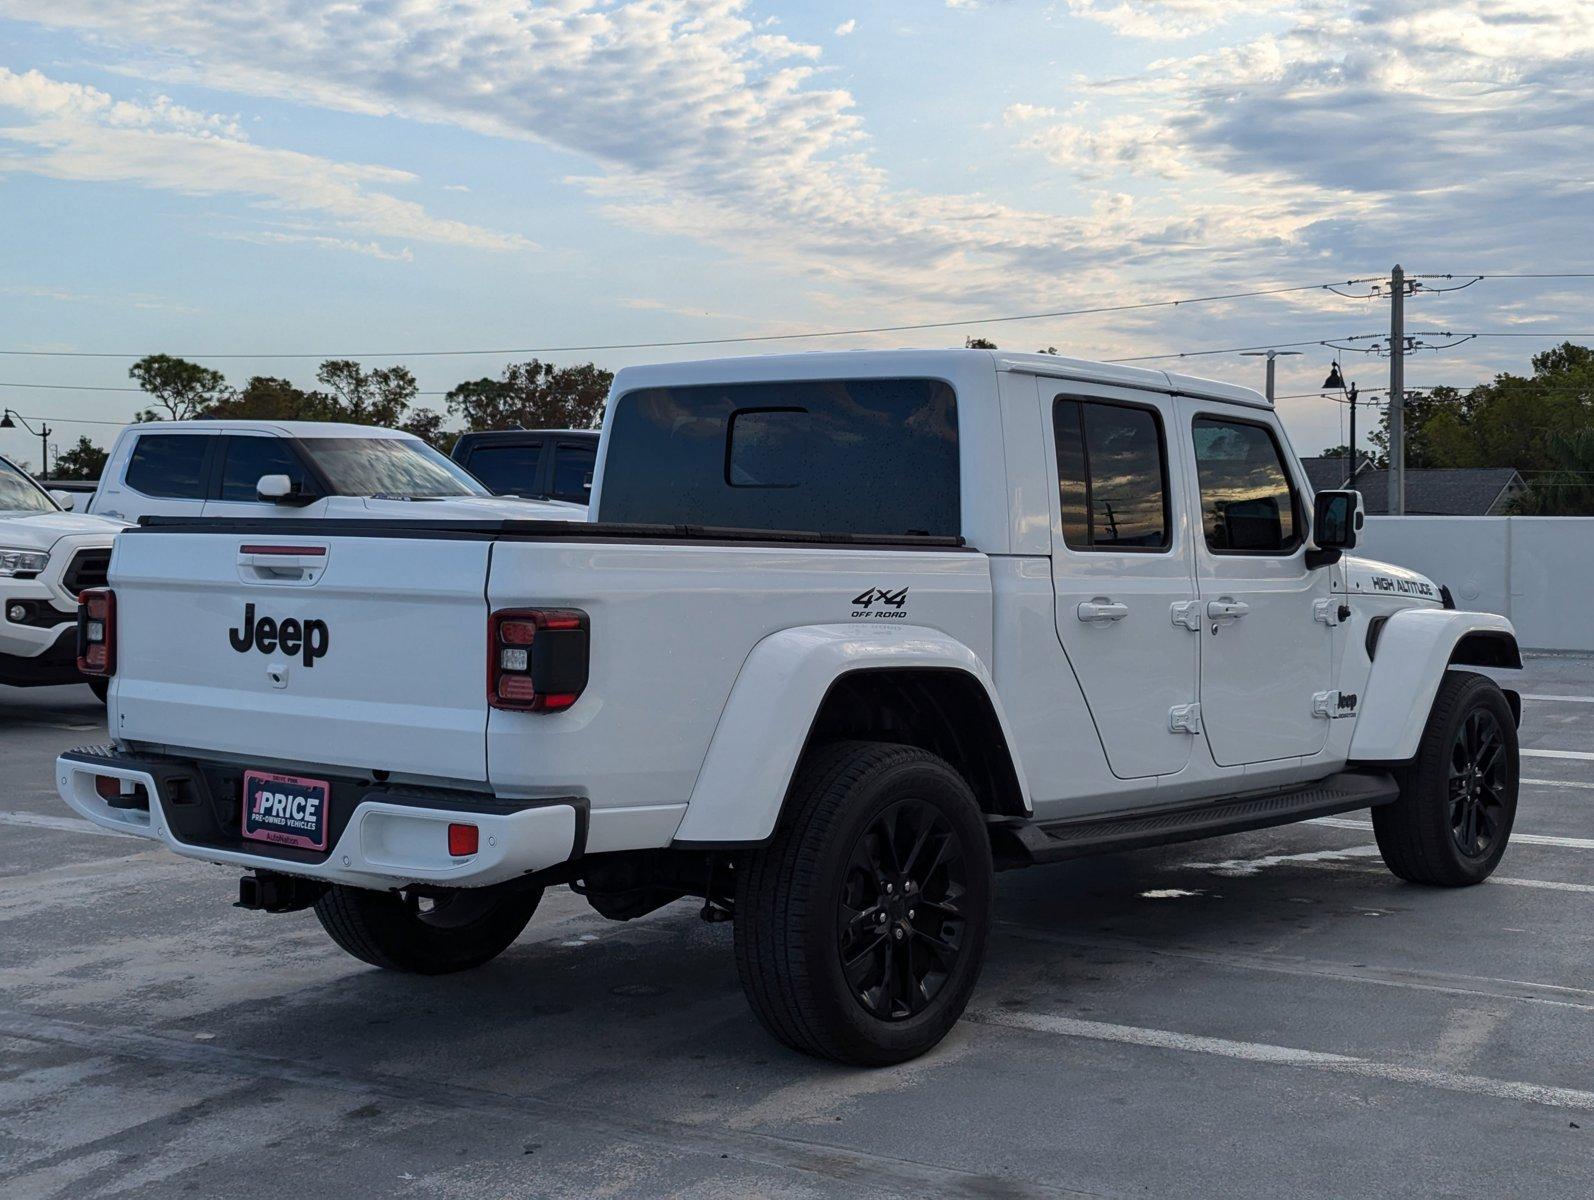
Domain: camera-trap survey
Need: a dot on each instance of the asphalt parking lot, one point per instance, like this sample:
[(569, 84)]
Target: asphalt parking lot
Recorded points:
[(1271, 1014)]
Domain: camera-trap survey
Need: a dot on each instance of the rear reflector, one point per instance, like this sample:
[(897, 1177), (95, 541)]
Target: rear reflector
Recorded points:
[(108, 786), (96, 632), (537, 658), (463, 840)]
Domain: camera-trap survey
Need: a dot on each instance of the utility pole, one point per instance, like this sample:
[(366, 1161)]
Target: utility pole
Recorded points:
[(1397, 393)]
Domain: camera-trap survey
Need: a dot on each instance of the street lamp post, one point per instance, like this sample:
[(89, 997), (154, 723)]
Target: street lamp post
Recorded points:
[(1270, 355), (1337, 380), (9, 419)]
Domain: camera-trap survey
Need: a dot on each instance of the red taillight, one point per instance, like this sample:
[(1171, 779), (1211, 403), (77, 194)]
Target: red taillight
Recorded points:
[(463, 840), (96, 632), (536, 658)]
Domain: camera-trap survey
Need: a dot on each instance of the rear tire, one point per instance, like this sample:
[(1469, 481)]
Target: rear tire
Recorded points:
[(861, 927), (401, 931), (1458, 796)]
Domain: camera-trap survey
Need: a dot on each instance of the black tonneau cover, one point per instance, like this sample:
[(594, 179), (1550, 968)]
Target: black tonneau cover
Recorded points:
[(536, 531)]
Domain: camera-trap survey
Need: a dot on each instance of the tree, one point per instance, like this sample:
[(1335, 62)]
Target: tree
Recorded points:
[(533, 395), (1513, 421), (1568, 489), (979, 343), (379, 397), (267, 398), (182, 389), (84, 460)]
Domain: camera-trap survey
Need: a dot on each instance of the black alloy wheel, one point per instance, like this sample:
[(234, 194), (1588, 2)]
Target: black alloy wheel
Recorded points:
[(1451, 823), (1480, 783), (900, 921)]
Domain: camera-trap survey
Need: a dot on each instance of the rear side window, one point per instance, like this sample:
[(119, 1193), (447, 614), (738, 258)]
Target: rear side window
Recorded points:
[(573, 464), (873, 456), (248, 458), (1111, 476), (170, 465), (1247, 504), (507, 470)]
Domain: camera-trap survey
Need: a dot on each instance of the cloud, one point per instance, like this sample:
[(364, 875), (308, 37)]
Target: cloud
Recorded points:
[(697, 119), (72, 132), (846, 27), (1165, 18), (270, 237)]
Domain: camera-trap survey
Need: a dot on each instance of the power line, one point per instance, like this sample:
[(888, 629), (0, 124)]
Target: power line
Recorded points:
[(720, 341)]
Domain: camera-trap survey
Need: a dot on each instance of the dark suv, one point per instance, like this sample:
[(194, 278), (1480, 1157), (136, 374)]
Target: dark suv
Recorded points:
[(541, 464)]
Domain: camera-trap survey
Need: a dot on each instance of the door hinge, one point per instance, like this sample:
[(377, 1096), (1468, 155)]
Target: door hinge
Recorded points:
[(1188, 614), (1184, 718), (1334, 705)]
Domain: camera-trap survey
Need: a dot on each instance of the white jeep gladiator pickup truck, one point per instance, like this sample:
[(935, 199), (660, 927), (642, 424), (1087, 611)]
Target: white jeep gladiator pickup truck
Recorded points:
[(848, 633)]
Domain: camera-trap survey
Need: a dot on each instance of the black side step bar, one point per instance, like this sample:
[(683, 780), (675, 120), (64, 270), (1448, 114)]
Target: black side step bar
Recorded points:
[(1018, 841)]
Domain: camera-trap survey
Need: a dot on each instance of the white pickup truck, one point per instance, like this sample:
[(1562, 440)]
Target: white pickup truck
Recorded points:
[(849, 633), (261, 468), (47, 556)]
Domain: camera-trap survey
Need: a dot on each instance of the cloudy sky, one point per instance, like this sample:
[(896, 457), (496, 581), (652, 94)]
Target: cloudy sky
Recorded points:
[(260, 177)]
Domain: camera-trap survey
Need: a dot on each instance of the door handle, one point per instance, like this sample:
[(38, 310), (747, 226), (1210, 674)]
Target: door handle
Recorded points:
[(1226, 609), (1102, 610)]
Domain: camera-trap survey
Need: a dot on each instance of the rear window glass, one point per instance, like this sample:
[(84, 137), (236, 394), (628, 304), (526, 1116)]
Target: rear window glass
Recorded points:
[(169, 465), (838, 456), (507, 470)]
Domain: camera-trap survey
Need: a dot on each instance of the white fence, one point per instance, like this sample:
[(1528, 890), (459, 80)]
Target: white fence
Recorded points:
[(1538, 571)]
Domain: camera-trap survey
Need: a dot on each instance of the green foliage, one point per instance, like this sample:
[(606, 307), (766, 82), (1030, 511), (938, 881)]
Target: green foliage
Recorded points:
[(1527, 422), (182, 389), (979, 343), (84, 460), (533, 395), (1566, 490)]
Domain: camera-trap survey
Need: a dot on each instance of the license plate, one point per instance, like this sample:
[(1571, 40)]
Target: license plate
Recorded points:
[(286, 809)]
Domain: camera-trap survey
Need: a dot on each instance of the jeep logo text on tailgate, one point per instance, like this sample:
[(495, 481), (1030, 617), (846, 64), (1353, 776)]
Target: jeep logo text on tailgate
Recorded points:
[(289, 636)]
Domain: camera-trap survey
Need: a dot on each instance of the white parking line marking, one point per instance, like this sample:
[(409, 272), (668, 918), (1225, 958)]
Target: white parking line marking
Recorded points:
[(1580, 755), (1571, 783), (1285, 1056), (1541, 696), (1522, 990), (1527, 839), (64, 824)]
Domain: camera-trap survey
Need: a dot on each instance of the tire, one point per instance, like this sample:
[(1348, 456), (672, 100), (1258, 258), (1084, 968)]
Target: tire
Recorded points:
[(399, 931), (1445, 798), (856, 811), (100, 687)]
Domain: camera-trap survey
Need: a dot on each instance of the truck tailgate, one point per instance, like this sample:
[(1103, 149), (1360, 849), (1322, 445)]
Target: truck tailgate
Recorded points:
[(359, 652)]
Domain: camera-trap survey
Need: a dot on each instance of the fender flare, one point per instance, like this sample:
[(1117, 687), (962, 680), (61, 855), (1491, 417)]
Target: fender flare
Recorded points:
[(764, 728), (1414, 649)]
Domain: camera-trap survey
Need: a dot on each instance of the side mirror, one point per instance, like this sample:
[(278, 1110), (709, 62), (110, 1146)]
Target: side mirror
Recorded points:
[(1336, 519), (274, 488), (279, 489), (65, 499)]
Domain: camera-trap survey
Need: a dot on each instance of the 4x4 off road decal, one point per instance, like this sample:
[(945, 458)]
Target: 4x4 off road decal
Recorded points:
[(893, 604)]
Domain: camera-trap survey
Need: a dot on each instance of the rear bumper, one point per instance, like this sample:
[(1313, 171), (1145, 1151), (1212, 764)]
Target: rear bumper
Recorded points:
[(383, 839)]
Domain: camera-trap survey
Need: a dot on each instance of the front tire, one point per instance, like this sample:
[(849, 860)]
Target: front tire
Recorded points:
[(434, 934), (1458, 797), (861, 927)]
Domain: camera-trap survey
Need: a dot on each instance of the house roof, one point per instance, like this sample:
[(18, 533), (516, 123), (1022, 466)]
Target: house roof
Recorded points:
[(1329, 474), (1462, 491), (1459, 491)]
